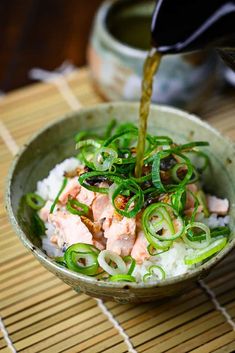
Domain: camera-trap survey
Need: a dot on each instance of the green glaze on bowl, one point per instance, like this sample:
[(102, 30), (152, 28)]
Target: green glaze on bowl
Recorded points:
[(55, 142)]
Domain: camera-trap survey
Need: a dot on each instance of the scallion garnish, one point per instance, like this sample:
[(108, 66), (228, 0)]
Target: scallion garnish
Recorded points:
[(106, 257), (34, 201), (203, 254), (82, 258), (76, 207), (162, 222), (58, 195), (122, 278), (155, 273)]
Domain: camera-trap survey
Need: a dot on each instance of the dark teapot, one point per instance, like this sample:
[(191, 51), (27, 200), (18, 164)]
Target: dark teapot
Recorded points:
[(182, 26)]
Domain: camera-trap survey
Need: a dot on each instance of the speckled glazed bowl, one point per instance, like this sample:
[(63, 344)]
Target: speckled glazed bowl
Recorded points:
[(55, 142)]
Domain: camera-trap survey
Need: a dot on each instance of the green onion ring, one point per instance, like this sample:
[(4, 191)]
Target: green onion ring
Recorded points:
[(223, 231), (132, 261), (122, 278), (101, 163), (138, 198), (60, 260), (35, 201), (149, 276), (159, 209), (104, 258), (86, 143), (156, 176), (111, 176), (178, 199), (203, 254), (190, 145), (197, 244), (72, 206), (85, 252)]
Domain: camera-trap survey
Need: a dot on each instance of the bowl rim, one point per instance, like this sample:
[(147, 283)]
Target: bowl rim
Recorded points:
[(52, 265)]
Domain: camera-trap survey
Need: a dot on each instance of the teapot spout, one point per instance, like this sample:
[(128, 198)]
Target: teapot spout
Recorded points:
[(182, 26)]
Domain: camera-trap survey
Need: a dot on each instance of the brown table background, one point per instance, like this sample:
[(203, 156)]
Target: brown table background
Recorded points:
[(42, 33)]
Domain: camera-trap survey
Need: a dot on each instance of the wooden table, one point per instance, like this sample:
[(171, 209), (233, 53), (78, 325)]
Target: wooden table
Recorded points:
[(42, 314)]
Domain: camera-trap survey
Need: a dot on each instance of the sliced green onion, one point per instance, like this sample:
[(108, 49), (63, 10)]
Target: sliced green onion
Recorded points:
[(203, 254), (178, 199), (197, 244), (155, 252), (60, 260), (156, 172), (122, 278), (196, 205), (132, 262), (159, 217), (35, 201), (223, 231), (104, 158), (86, 143), (82, 258), (137, 199), (190, 145), (58, 195), (82, 134), (220, 231), (154, 273), (107, 175), (174, 171), (73, 207), (202, 201), (112, 139), (161, 140), (199, 156), (39, 226), (107, 256)]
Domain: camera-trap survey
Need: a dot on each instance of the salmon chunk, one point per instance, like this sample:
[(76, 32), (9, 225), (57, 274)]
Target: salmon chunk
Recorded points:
[(139, 251), (216, 205), (45, 211), (71, 189), (86, 196), (121, 236), (69, 229), (99, 207)]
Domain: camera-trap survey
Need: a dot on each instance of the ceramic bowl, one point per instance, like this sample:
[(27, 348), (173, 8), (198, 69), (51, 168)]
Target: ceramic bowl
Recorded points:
[(116, 59), (55, 142)]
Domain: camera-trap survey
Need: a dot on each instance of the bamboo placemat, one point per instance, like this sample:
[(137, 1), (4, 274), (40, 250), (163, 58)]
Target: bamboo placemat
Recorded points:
[(41, 314)]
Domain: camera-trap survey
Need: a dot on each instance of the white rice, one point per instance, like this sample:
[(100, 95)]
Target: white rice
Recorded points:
[(172, 261), (49, 187)]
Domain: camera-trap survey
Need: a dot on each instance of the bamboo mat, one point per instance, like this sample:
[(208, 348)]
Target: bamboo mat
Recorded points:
[(41, 314)]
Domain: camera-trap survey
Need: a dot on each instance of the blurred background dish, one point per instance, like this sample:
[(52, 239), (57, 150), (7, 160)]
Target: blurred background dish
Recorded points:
[(118, 47)]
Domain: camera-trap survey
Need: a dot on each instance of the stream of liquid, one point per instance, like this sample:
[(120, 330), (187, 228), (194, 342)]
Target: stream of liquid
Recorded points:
[(151, 66)]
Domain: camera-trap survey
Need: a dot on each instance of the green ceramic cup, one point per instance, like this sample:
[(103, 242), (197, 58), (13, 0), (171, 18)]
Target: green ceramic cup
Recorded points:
[(55, 142)]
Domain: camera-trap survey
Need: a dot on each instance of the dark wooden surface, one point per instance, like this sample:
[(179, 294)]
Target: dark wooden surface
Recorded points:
[(42, 33)]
